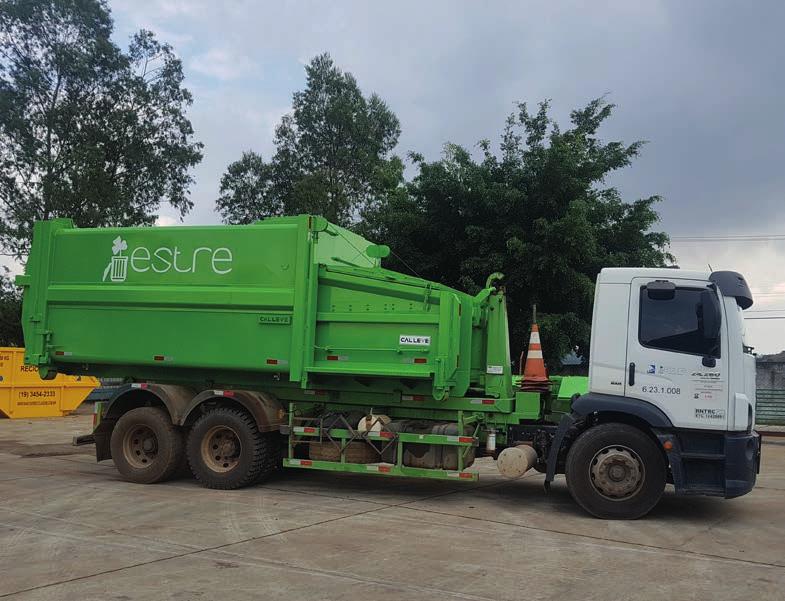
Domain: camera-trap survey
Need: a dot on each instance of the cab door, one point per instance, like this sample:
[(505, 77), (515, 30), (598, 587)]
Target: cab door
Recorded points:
[(676, 351)]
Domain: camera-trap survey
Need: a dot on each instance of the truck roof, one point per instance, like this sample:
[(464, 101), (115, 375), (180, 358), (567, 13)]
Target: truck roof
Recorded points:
[(624, 275)]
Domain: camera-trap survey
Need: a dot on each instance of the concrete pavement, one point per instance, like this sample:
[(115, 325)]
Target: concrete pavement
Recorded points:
[(72, 529)]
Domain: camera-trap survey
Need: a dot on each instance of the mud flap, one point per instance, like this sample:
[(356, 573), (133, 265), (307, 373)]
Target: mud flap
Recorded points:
[(553, 453)]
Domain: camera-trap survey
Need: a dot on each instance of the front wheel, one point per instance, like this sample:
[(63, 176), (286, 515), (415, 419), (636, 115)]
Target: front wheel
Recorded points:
[(226, 450), (615, 471)]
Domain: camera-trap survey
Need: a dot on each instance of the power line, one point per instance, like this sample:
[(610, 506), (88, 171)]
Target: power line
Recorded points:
[(767, 317), (730, 238), (771, 293), (724, 240)]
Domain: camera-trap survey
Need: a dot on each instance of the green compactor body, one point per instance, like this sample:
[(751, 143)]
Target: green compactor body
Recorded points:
[(300, 311)]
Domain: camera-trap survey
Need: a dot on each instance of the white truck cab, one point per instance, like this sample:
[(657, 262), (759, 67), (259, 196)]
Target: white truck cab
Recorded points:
[(684, 348), (671, 393)]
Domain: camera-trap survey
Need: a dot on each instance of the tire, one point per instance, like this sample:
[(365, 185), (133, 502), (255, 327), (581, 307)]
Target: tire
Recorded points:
[(146, 447), (225, 450), (615, 471)]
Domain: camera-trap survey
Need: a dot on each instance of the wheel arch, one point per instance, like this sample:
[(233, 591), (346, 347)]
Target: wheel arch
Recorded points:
[(172, 398), (607, 417), (267, 411), (591, 409), (637, 410)]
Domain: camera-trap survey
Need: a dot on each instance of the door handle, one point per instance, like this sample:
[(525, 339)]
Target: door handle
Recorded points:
[(631, 378)]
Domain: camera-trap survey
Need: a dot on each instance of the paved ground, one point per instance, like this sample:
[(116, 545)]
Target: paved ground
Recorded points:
[(71, 529)]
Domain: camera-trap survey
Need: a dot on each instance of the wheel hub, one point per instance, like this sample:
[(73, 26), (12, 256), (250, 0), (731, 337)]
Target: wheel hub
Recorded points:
[(221, 449), (140, 446), (617, 472)]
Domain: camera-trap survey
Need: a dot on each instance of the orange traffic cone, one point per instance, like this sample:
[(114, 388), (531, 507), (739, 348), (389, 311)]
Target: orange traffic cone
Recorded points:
[(535, 377)]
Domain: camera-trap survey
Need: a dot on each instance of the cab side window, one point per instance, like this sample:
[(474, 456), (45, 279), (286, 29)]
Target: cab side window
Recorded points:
[(676, 324)]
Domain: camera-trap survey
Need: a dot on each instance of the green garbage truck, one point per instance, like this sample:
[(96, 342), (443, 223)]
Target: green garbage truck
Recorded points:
[(285, 344)]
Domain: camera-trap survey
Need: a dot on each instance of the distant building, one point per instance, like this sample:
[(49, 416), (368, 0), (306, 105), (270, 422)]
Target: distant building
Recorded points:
[(573, 365), (770, 371)]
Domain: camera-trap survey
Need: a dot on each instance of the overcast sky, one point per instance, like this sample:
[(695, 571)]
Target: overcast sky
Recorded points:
[(702, 82)]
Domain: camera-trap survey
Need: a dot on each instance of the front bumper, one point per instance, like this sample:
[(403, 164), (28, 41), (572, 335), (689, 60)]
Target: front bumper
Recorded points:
[(718, 464), (742, 462)]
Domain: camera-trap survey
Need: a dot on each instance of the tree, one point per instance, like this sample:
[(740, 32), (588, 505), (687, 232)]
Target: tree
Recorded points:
[(10, 312), (246, 191), (86, 130), (535, 211), (333, 155)]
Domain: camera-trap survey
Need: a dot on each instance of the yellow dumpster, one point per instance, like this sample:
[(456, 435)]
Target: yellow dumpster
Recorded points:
[(23, 394)]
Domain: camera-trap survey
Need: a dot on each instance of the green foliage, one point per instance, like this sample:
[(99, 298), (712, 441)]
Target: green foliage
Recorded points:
[(10, 312), (87, 131), (333, 155), (246, 191), (535, 211)]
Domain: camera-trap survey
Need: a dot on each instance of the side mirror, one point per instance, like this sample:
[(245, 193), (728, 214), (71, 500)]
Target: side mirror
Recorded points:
[(710, 314), (661, 290)]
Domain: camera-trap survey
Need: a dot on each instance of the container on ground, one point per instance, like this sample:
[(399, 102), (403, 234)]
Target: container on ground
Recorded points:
[(23, 394)]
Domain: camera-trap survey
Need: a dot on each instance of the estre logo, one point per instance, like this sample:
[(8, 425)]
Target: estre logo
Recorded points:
[(165, 259)]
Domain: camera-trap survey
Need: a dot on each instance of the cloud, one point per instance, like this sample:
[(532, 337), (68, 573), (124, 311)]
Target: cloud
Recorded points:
[(759, 263), (166, 220), (223, 64), (701, 82), (266, 121), (14, 267), (160, 9)]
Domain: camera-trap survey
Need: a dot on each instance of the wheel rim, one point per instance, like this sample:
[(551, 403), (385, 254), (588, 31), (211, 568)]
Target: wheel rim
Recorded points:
[(617, 473), (221, 449), (140, 446)]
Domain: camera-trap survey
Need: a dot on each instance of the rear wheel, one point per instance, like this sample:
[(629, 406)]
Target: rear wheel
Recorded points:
[(146, 446), (615, 471), (226, 450)]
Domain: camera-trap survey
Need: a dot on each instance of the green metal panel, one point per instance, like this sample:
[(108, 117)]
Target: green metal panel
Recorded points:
[(440, 439), (361, 318), (566, 387), (770, 406), (137, 296), (382, 469), (572, 385), (528, 404), (498, 367)]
